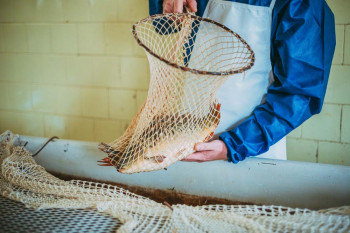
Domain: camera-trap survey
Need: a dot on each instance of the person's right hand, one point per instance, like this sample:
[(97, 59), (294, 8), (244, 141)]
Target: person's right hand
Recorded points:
[(177, 6)]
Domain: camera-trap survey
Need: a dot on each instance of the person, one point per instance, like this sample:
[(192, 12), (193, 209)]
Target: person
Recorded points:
[(293, 42)]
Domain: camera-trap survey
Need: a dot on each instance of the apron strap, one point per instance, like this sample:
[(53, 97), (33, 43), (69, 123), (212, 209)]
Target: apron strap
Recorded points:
[(272, 4)]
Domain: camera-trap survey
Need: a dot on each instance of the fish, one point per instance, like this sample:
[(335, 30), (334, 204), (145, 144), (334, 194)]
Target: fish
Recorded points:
[(161, 148)]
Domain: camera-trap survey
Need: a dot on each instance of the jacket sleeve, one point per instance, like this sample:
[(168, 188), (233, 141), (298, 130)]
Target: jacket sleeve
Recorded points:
[(302, 47), (155, 7)]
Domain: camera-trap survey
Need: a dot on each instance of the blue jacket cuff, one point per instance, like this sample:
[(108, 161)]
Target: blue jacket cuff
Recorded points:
[(232, 155)]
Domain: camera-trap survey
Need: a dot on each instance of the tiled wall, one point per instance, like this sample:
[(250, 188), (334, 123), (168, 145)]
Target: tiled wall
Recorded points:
[(325, 138), (71, 68)]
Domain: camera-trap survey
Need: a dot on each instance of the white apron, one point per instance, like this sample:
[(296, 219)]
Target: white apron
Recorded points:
[(242, 93)]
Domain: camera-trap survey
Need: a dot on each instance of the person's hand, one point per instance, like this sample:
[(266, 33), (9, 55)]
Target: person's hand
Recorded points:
[(177, 6), (208, 151)]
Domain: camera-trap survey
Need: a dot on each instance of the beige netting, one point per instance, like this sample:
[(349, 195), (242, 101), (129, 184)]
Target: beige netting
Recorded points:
[(190, 58), (22, 179)]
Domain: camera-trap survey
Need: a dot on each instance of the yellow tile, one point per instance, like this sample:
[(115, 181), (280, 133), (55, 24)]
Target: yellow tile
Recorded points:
[(32, 124), (14, 38), (81, 129), (137, 50), (334, 153), (68, 100), (324, 126), (296, 133), (338, 85), (22, 10), (19, 97), (301, 150), (17, 10), (125, 124), (1, 38), (94, 102), (340, 9), (339, 50), (53, 69), (132, 10), (64, 38), (56, 126), (9, 122), (134, 73), (345, 126), (22, 123), (119, 38), (347, 45), (76, 10), (122, 104), (91, 38), (4, 97), (79, 70), (49, 11), (141, 97), (27, 68), (44, 98), (39, 38), (104, 10), (8, 66), (107, 130), (106, 71), (6, 11)]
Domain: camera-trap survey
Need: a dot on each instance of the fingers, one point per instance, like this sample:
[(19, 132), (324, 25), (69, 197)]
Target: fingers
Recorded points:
[(204, 156), (177, 6), (213, 145), (168, 6), (193, 5)]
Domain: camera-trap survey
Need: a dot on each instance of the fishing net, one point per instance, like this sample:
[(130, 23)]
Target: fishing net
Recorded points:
[(22, 179), (190, 58)]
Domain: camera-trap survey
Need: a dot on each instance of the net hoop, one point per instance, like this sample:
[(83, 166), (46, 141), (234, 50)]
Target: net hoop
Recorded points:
[(184, 68)]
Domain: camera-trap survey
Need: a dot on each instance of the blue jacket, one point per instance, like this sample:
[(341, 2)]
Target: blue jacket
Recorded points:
[(302, 48)]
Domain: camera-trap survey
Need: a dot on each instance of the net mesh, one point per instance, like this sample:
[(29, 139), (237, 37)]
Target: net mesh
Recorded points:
[(190, 58), (22, 179)]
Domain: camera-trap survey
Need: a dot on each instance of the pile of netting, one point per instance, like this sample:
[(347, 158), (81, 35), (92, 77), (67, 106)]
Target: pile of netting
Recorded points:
[(22, 179), (190, 58)]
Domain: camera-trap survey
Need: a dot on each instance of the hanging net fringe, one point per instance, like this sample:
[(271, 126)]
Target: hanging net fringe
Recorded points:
[(189, 58), (22, 179)]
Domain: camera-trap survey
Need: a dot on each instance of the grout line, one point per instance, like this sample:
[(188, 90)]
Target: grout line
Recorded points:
[(341, 122), (73, 85), (116, 21), (59, 114), (318, 144), (343, 58), (77, 54)]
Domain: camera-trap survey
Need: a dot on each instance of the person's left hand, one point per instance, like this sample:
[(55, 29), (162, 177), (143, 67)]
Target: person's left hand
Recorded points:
[(208, 151)]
